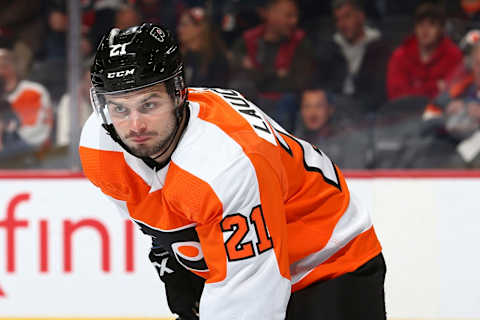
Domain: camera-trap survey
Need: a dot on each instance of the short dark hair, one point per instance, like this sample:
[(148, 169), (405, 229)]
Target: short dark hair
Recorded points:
[(331, 97), (269, 3), (430, 11), (337, 4)]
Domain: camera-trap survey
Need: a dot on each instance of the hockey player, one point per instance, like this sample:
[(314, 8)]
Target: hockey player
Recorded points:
[(245, 218)]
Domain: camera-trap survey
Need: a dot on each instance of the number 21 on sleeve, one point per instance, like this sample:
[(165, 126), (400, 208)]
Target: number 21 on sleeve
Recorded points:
[(239, 225)]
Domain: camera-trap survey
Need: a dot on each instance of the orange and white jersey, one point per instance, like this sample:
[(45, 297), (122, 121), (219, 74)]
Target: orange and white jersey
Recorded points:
[(252, 209), (31, 102)]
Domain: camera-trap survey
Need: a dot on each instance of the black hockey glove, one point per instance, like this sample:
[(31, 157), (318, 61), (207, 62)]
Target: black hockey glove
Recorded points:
[(183, 288)]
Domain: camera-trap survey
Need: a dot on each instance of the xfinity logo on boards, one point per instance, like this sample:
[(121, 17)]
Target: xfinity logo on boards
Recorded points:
[(14, 228), (120, 74)]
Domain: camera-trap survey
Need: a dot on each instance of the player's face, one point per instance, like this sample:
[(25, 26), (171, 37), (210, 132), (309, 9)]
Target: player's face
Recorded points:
[(315, 109), (428, 33), (349, 22), (145, 120)]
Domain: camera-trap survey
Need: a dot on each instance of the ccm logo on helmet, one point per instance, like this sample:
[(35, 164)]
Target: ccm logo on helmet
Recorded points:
[(119, 74)]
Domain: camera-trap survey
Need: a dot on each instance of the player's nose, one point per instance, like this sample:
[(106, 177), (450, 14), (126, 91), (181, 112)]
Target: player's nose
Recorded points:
[(137, 121)]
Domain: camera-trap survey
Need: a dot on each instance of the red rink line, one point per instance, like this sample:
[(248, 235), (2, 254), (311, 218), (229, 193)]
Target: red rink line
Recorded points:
[(411, 174), (41, 174), (352, 174)]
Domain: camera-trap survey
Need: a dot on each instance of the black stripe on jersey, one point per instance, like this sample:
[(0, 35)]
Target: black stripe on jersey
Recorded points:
[(315, 169), (283, 143)]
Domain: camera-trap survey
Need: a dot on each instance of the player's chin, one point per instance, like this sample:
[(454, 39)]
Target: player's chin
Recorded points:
[(141, 151)]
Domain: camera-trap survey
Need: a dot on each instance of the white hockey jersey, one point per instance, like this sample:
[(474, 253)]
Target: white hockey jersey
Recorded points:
[(243, 204)]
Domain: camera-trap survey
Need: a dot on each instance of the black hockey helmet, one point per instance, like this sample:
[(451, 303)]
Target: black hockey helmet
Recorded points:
[(133, 59), (136, 58)]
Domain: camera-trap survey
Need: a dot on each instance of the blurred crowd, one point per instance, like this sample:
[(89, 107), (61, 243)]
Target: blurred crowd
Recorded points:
[(374, 84)]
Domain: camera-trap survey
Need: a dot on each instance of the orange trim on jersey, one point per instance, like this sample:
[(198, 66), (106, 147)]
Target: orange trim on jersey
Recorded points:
[(156, 212), (459, 87), (313, 208), (356, 253), (470, 7), (228, 119), (192, 197), (109, 171), (431, 111), (240, 131), (182, 201), (27, 105), (271, 199), (234, 125)]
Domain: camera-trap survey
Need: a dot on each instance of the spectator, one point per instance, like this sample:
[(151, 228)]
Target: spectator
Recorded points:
[(237, 17), (22, 21), (353, 63), (321, 124), (273, 61), (29, 100), (204, 55), (127, 16), (103, 14), (11, 144), (97, 16), (456, 111), (426, 60), (463, 15), (64, 112), (161, 11)]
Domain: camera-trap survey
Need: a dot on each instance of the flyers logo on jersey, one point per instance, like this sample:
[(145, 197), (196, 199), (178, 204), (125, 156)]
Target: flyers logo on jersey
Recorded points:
[(183, 244)]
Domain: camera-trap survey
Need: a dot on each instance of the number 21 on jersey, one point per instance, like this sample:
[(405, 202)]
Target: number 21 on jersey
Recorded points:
[(240, 226)]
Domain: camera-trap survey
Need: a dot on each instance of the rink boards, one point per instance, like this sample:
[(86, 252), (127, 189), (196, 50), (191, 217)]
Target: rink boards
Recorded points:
[(66, 253)]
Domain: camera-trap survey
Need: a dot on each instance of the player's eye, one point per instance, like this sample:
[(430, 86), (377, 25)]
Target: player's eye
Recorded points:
[(149, 105), (119, 109)]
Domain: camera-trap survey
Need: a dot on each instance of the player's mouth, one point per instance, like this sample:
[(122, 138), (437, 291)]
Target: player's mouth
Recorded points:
[(141, 139)]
